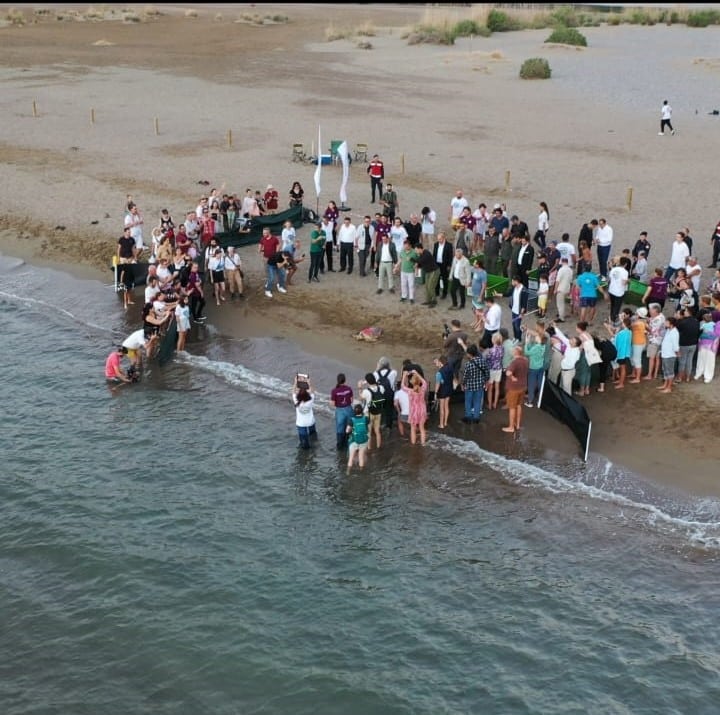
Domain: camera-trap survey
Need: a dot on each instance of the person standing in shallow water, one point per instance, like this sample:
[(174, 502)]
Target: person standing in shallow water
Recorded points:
[(341, 398)]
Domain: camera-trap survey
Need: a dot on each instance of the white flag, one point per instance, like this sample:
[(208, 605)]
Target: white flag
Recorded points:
[(345, 159), (318, 170)]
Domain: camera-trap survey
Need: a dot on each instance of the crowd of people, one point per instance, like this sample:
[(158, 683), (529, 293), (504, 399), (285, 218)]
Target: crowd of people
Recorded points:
[(632, 345)]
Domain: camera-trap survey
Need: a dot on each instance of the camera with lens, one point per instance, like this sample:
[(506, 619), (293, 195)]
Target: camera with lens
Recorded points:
[(302, 381)]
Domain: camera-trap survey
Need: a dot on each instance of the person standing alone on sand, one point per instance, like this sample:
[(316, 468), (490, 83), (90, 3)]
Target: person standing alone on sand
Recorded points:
[(376, 171), (665, 119)]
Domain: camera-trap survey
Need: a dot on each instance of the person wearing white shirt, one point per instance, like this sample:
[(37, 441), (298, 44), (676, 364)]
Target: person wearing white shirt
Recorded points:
[(563, 284), (460, 279), (387, 257), (618, 279), (134, 221), (666, 118), (569, 359), (457, 204), (603, 239), (567, 250), (679, 255), (669, 351), (233, 273), (364, 243), (493, 321), (398, 234), (151, 289), (429, 217), (288, 237), (693, 271), (346, 239)]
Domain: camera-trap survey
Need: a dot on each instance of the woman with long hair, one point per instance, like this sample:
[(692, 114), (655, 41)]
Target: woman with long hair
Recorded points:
[(543, 225), (416, 387), (296, 194)]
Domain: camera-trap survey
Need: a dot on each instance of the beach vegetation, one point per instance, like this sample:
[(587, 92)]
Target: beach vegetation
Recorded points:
[(151, 11), (364, 45), (499, 21), (131, 17), (333, 33), (567, 36), (15, 17), (367, 29), (535, 68), (703, 18), (191, 13), (427, 34), (566, 16)]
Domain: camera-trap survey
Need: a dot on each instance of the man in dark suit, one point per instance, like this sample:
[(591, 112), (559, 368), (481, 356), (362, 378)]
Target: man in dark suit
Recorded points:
[(443, 253), (518, 305), (526, 256)]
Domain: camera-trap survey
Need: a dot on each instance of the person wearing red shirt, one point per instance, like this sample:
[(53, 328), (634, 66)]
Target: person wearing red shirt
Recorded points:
[(271, 198), (376, 170)]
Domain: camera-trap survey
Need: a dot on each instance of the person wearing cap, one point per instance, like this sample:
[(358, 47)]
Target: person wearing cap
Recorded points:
[(376, 171), (271, 198), (114, 374), (317, 249)]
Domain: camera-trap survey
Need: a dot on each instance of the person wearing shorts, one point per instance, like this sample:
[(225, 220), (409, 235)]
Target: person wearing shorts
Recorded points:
[(589, 285), (359, 437), (515, 388)]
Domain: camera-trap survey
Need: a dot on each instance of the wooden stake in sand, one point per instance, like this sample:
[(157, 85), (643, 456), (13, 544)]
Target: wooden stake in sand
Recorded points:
[(92, 115), (507, 181), (34, 108), (402, 163), (157, 126), (229, 138), (629, 198)]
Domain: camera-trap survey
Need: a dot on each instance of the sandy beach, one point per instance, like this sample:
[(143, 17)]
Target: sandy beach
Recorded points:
[(442, 118)]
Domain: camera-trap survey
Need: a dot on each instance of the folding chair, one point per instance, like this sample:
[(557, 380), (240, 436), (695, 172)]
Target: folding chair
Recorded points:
[(298, 152), (361, 153)]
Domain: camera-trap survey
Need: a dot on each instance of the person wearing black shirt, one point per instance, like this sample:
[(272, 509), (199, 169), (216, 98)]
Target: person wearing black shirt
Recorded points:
[(587, 231), (431, 273), (414, 230), (688, 326)]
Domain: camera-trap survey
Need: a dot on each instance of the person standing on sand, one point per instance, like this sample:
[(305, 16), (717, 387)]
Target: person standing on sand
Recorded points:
[(669, 352), (431, 274), (665, 119), (376, 172), (515, 388)]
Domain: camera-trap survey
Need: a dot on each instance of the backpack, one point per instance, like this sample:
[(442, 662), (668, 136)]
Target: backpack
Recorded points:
[(377, 402), (383, 380), (359, 430)]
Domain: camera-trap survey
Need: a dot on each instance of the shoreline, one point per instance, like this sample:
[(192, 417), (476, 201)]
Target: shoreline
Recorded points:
[(653, 462), (580, 161)]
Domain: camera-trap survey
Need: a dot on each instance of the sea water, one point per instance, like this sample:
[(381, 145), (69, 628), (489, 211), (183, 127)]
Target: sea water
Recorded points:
[(167, 548)]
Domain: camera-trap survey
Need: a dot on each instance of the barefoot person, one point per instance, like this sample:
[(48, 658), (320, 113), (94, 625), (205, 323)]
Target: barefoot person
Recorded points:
[(357, 432), (669, 352), (114, 374), (415, 386), (515, 388)]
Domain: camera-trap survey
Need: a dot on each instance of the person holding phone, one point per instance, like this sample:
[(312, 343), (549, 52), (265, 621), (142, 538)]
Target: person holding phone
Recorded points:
[(303, 397)]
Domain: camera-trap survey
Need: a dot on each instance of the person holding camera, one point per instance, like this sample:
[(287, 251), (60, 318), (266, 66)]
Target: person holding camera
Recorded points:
[(303, 397)]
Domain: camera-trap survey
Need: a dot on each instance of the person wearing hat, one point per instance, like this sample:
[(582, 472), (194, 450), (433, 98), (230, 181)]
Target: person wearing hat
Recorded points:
[(317, 249)]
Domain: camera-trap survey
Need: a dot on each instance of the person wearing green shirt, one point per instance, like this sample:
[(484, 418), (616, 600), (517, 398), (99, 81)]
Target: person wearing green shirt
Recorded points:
[(535, 353), (406, 268), (317, 250)]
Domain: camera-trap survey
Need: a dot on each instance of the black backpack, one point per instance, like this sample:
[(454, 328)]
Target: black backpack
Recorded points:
[(377, 401), (383, 380)]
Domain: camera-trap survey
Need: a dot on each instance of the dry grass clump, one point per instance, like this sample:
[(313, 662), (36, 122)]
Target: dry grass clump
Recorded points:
[(333, 33), (367, 29), (15, 17), (151, 11), (364, 45), (94, 13), (259, 20), (191, 13)]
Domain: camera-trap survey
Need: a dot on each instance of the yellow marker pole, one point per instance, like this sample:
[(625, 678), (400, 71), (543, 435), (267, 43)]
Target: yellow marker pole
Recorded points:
[(229, 138), (507, 181), (629, 198), (34, 108), (402, 163), (92, 116), (157, 126)]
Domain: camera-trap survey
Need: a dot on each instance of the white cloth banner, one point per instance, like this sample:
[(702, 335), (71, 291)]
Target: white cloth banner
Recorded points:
[(345, 159), (318, 170)]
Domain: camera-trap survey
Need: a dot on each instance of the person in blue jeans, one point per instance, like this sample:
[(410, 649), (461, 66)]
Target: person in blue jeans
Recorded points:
[(475, 377), (276, 265), (341, 398), (535, 353)]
